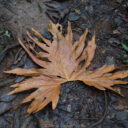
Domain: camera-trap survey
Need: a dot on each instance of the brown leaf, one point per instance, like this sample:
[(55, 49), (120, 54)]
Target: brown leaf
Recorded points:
[(63, 65)]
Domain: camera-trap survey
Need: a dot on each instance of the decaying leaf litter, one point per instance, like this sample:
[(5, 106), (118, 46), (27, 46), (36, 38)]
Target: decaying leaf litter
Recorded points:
[(77, 88)]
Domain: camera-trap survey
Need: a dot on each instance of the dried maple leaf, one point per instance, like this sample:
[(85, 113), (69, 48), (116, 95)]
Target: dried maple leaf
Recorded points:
[(63, 65)]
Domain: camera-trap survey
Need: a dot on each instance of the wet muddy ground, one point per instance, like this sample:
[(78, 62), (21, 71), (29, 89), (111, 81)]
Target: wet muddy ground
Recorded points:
[(79, 106)]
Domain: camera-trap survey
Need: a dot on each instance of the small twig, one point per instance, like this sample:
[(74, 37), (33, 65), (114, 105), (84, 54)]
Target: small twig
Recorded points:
[(85, 118), (5, 51), (103, 117)]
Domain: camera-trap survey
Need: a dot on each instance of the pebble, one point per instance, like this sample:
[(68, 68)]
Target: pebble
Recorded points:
[(19, 79), (5, 97), (118, 21), (114, 41), (73, 16), (69, 108), (4, 107), (47, 35), (29, 64)]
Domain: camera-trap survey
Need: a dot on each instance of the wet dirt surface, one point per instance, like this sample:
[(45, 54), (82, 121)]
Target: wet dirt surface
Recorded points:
[(79, 106)]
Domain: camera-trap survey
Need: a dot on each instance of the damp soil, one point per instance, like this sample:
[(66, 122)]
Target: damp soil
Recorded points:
[(79, 106)]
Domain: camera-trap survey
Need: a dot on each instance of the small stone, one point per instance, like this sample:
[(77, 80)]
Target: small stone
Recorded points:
[(114, 41), (69, 108), (73, 16), (19, 79), (4, 107), (112, 115), (47, 35), (29, 64), (118, 20), (5, 97)]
